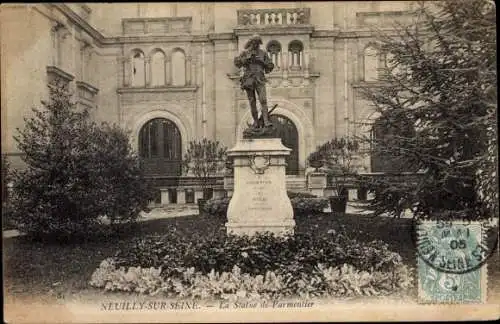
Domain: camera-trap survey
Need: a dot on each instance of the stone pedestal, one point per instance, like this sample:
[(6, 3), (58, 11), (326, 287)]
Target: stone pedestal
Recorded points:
[(316, 183), (181, 196), (259, 202), (165, 197), (198, 194)]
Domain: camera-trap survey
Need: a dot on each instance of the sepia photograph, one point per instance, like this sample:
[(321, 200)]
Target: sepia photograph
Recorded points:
[(207, 162)]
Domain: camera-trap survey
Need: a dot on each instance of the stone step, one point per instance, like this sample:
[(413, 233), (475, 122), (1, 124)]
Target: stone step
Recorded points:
[(296, 183)]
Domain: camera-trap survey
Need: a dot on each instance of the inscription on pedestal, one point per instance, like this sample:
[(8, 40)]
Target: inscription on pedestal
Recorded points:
[(259, 196)]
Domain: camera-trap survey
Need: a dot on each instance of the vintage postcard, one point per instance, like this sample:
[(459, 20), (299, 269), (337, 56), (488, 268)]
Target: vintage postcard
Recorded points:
[(249, 161)]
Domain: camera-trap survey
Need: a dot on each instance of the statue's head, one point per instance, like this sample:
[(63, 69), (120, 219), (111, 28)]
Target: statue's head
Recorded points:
[(254, 42)]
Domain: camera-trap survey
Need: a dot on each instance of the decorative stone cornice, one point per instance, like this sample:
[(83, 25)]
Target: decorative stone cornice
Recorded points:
[(273, 30), (87, 87), (240, 30), (370, 84), (158, 89), (157, 25), (82, 23), (325, 33), (221, 36), (59, 73)]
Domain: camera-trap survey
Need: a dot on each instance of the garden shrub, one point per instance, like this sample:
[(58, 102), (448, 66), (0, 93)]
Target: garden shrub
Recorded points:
[(217, 206), (77, 172), (304, 264), (309, 205), (6, 215), (302, 203), (294, 194)]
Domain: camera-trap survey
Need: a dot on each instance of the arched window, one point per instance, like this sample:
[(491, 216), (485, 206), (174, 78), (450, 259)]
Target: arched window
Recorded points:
[(160, 147), (370, 64), (158, 69), (274, 50), (138, 72), (296, 49), (178, 68)]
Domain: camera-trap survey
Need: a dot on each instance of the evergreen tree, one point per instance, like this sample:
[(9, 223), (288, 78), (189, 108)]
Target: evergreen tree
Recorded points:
[(440, 78), (77, 171)]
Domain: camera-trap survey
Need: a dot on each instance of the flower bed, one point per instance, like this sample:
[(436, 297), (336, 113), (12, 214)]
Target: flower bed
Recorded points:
[(258, 266)]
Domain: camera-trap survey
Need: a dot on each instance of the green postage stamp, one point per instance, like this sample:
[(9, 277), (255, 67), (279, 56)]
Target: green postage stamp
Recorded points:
[(451, 262)]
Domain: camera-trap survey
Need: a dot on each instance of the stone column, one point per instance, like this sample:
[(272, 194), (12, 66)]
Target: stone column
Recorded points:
[(352, 194), (147, 68), (165, 197), (316, 183), (126, 71), (168, 73), (55, 43), (260, 202), (181, 196), (284, 67), (193, 72), (188, 70), (305, 56)]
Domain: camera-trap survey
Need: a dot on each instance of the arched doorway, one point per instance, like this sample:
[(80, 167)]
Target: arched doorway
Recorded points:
[(160, 148), (290, 138)]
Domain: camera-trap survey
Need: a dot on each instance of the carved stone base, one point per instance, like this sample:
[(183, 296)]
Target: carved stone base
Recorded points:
[(259, 202), (260, 132)]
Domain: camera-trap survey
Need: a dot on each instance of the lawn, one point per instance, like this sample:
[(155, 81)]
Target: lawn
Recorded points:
[(51, 270)]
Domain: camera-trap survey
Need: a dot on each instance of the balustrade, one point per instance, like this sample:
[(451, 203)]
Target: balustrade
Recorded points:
[(274, 16)]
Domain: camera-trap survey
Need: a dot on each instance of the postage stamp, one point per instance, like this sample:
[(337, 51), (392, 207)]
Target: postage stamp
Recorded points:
[(201, 162), (451, 262)]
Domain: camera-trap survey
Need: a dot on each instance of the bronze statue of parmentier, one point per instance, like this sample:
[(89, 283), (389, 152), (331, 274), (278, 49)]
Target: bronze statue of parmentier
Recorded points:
[(256, 63)]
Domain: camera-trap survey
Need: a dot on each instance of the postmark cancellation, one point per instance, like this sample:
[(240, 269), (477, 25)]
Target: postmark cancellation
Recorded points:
[(451, 262)]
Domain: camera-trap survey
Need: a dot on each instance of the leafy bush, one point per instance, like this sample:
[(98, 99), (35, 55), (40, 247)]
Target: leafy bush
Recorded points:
[(218, 265), (217, 207), (205, 158), (77, 172), (340, 281), (6, 214), (338, 156), (309, 205), (5, 178), (135, 279), (256, 254), (293, 194)]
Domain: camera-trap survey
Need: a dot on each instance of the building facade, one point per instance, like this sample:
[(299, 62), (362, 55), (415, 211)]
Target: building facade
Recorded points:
[(165, 71)]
